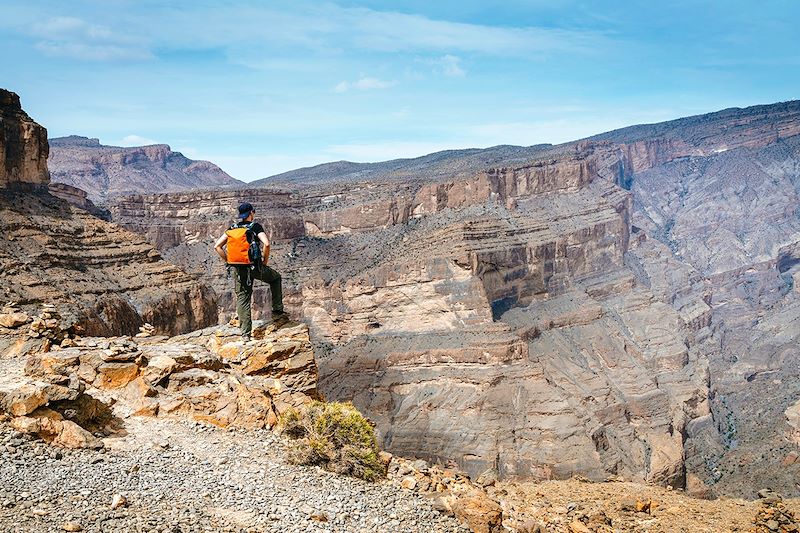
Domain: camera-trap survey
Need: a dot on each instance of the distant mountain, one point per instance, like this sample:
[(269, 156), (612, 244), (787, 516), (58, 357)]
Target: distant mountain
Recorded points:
[(732, 127), (447, 163), (105, 171), (651, 144)]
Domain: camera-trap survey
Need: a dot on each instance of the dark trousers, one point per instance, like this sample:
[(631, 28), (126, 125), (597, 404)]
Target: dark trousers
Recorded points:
[(244, 277)]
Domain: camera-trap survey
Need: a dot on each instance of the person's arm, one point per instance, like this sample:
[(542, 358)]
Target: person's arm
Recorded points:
[(265, 246), (218, 247)]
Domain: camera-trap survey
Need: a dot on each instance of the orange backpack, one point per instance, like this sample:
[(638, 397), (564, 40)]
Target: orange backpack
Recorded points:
[(239, 244)]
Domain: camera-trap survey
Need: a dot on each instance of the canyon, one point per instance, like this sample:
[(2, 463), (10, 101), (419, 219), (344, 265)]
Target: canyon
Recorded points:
[(624, 305)]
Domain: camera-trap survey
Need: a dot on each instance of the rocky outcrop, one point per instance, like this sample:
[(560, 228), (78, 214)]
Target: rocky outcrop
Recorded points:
[(23, 146), (67, 395), (722, 244), (79, 198), (105, 171), (104, 280)]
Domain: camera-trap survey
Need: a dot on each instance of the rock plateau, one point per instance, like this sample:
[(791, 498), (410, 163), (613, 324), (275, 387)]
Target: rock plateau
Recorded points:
[(106, 171)]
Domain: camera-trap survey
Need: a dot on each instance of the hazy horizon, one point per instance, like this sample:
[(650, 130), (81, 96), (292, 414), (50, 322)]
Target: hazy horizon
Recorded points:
[(260, 89)]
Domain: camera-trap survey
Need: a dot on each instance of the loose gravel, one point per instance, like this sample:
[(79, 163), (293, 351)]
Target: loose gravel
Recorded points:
[(181, 476)]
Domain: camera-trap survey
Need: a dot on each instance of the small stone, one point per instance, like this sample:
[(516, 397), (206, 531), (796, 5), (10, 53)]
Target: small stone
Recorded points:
[(408, 483), (13, 320), (71, 526), (576, 526), (643, 506), (118, 500)]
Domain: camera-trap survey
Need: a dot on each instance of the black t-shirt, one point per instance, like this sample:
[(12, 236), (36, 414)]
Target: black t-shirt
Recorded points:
[(256, 228)]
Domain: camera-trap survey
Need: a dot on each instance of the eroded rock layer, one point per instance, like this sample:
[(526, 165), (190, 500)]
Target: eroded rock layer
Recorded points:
[(104, 280), (105, 171), (23, 145)]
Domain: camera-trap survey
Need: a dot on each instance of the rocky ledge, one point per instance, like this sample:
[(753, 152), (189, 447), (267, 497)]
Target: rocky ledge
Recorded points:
[(72, 395)]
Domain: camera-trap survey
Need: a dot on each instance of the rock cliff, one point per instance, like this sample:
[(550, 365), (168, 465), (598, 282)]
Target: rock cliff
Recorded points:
[(407, 290), (23, 146), (104, 280), (105, 171)]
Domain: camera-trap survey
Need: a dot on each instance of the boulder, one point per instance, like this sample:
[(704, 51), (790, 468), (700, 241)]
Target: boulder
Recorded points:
[(478, 511)]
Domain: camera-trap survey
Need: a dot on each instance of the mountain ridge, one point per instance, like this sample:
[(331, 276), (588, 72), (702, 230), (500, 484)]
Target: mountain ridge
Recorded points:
[(499, 155), (105, 171)]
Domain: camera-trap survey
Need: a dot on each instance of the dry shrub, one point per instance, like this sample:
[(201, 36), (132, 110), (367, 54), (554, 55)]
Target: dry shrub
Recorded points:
[(335, 436)]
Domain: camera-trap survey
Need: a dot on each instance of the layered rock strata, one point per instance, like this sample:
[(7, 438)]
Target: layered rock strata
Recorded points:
[(402, 295), (23, 146), (106, 171), (105, 280), (79, 198), (518, 309)]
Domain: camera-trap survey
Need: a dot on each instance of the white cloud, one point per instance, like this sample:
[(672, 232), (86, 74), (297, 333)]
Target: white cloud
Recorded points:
[(364, 84), (77, 39), (393, 32), (249, 33), (450, 65), (136, 140)]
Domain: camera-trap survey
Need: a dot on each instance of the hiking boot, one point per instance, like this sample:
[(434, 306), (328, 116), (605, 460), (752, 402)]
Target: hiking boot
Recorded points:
[(280, 316), (246, 338)]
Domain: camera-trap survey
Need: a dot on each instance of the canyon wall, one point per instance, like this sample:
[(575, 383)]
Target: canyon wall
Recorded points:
[(518, 309), (23, 146), (105, 171), (104, 280), (414, 293)]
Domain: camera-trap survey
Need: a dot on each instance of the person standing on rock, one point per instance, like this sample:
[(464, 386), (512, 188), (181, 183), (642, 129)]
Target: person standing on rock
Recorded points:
[(245, 249)]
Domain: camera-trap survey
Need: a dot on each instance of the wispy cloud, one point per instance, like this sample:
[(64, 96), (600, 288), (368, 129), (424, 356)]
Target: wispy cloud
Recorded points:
[(394, 32), (363, 84), (136, 140), (246, 29), (450, 65), (77, 39)]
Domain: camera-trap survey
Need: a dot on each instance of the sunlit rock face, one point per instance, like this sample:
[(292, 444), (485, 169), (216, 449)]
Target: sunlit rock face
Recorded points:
[(23, 146), (108, 171)]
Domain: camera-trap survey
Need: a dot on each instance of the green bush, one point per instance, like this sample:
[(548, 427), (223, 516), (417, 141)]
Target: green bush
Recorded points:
[(335, 436)]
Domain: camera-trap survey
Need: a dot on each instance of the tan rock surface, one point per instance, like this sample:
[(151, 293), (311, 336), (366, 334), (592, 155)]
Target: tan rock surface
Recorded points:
[(104, 279), (23, 146), (104, 171)]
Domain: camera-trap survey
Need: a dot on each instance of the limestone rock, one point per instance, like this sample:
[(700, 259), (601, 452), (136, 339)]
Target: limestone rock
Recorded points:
[(106, 280), (173, 377), (619, 289), (479, 512), (23, 146), (105, 171), (13, 320)]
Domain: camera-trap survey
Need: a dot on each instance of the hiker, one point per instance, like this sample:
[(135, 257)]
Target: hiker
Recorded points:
[(245, 248)]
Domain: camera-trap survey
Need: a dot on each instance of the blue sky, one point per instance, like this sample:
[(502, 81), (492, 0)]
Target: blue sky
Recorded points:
[(264, 87)]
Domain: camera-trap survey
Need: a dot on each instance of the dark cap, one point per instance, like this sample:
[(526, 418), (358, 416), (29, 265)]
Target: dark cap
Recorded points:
[(245, 209)]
